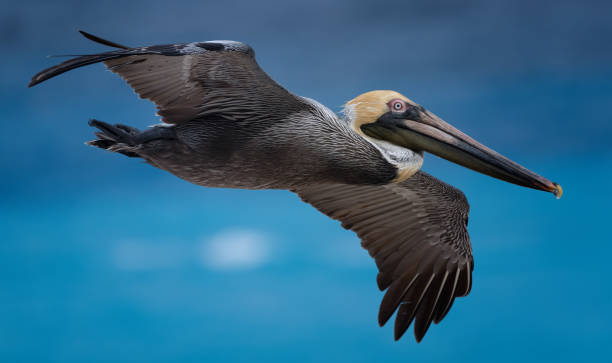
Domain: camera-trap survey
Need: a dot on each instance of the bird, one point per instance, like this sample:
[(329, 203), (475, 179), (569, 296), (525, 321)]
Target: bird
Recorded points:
[(227, 124)]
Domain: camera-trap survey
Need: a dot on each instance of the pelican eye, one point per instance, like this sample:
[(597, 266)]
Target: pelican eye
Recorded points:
[(397, 105)]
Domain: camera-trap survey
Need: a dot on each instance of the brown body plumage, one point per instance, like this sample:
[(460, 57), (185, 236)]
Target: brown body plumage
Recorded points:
[(227, 124)]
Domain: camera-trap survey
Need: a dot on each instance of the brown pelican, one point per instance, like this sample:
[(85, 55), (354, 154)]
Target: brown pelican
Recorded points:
[(226, 123)]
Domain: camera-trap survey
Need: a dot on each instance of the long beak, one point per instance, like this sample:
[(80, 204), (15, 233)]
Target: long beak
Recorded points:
[(430, 133)]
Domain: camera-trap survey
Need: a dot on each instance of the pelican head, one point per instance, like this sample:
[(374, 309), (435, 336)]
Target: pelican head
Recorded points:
[(390, 117)]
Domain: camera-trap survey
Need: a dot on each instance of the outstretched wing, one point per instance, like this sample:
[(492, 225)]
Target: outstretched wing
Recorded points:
[(416, 231), (193, 80)]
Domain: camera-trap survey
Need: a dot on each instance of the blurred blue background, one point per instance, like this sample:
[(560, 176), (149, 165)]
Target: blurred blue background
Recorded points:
[(104, 258)]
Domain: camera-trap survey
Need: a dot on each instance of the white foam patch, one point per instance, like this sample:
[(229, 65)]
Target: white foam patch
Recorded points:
[(235, 249), (147, 255)]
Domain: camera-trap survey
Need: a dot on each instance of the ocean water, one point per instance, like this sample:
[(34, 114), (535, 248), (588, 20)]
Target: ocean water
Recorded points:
[(104, 258)]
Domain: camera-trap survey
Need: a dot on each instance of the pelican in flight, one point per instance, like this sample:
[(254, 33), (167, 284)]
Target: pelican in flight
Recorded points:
[(227, 124)]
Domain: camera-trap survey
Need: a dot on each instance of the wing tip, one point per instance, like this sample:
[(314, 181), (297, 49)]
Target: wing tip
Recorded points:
[(383, 317), (97, 39), (421, 330), (36, 79), (419, 336)]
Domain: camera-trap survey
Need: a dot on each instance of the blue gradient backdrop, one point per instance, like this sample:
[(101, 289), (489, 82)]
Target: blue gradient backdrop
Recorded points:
[(104, 258)]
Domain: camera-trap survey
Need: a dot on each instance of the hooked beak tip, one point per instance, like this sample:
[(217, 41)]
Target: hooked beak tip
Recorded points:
[(553, 187), (558, 191)]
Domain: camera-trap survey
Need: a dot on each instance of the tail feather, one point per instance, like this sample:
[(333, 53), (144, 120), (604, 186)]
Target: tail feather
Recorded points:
[(117, 138)]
